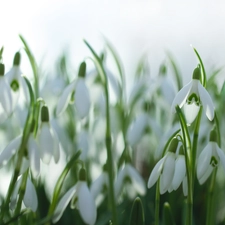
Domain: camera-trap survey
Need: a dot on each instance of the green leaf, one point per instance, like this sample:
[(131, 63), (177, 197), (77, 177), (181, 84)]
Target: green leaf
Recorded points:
[(60, 182), (137, 213), (33, 65), (142, 67), (175, 70)]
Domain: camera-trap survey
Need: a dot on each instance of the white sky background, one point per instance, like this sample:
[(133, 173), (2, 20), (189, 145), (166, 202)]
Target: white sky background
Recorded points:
[(133, 27)]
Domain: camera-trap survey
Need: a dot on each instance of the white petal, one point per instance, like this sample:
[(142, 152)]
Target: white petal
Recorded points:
[(30, 196), (136, 129), (86, 204), (97, 185), (156, 172), (119, 181), (206, 174), (83, 144), (179, 173), (46, 143), (168, 172), (181, 96), (190, 112), (56, 149), (82, 98), (10, 150), (204, 160), (65, 98), (25, 89), (5, 97), (206, 102), (64, 201), (221, 156), (137, 181), (34, 156)]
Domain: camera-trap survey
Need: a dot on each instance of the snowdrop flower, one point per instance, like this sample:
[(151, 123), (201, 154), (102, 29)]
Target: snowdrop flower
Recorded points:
[(48, 140), (5, 97), (163, 170), (192, 97), (129, 173), (16, 81), (136, 129), (76, 91), (30, 197), (101, 183), (81, 198), (179, 174), (32, 150), (209, 158)]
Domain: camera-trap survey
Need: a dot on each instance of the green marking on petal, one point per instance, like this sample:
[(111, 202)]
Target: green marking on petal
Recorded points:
[(213, 161), (15, 85), (72, 98), (193, 98)]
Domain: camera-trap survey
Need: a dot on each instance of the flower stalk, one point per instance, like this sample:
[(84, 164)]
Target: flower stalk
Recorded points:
[(99, 66)]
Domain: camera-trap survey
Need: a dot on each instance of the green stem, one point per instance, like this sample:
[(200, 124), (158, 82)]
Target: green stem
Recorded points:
[(110, 170), (157, 201), (195, 142), (22, 190), (21, 151), (189, 165)]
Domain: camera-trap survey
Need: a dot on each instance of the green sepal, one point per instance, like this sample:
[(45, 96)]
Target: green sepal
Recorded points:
[(167, 215), (2, 69), (82, 70), (82, 174), (16, 60), (44, 114), (1, 52), (137, 213), (197, 73), (173, 145), (213, 136)]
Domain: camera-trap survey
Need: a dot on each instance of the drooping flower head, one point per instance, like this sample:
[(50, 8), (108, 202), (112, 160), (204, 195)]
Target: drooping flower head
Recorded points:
[(192, 97), (5, 96), (81, 198), (209, 158), (48, 139), (16, 81), (76, 92)]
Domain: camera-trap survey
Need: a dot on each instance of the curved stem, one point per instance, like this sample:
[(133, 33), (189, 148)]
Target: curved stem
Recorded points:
[(110, 170)]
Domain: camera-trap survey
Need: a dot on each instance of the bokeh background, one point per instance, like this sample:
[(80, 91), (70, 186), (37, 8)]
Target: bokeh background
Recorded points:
[(134, 27)]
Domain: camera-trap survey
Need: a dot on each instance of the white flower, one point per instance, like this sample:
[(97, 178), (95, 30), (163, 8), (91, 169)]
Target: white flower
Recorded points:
[(192, 96), (136, 129), (16, 81), (33, 153), (48, 143), (179, 175), (30, 197), (209, 158), (129, 173), (76, 91), (99, 184), (163, 170), (5, 97), (84, 201)]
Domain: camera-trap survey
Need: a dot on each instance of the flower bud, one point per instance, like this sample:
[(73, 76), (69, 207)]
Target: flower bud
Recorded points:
[(16, 60)]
